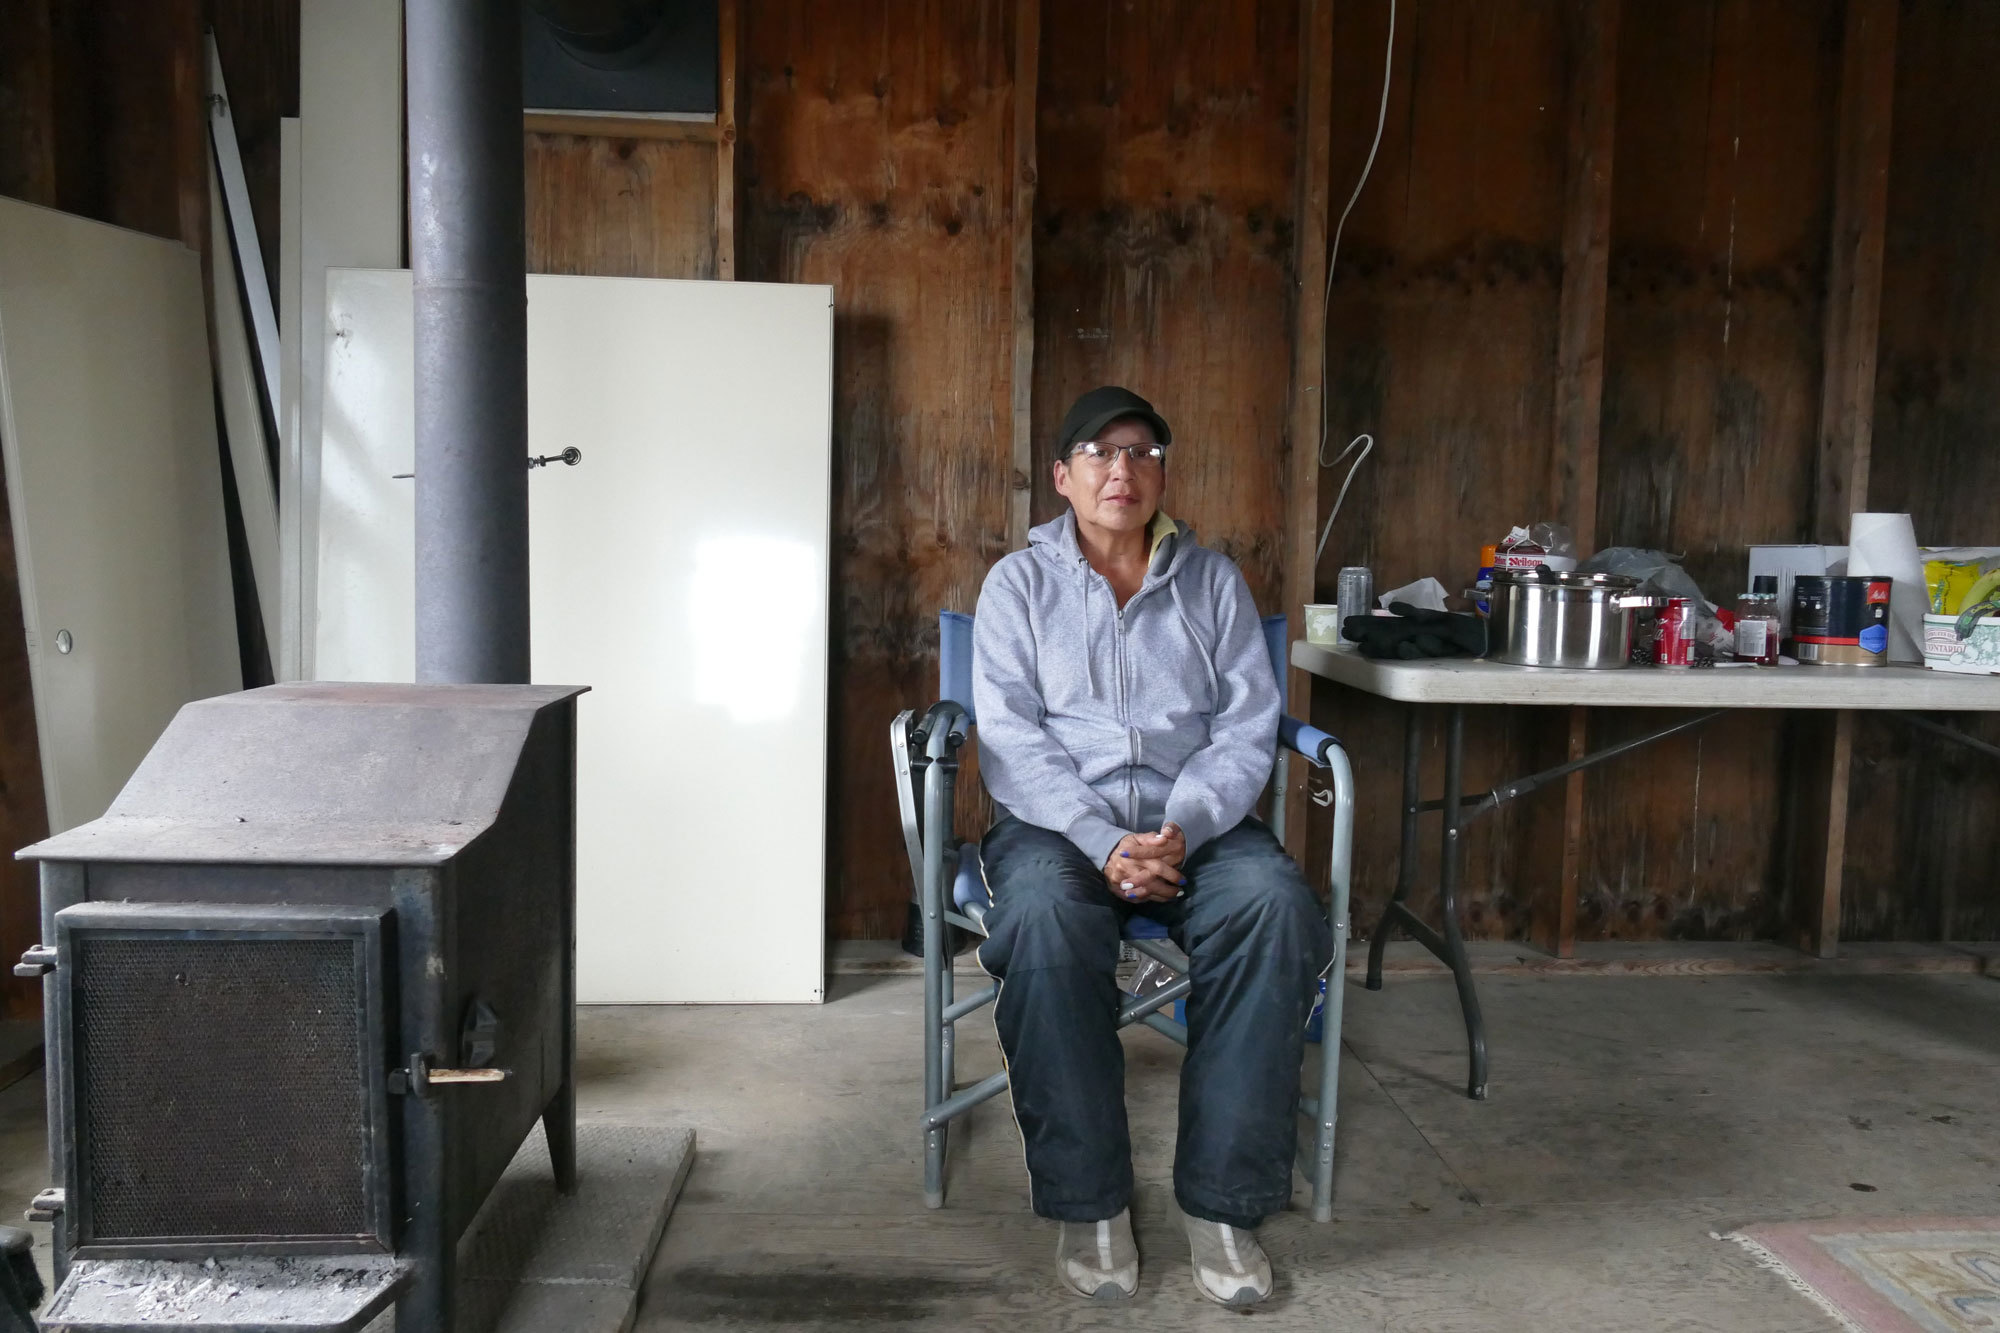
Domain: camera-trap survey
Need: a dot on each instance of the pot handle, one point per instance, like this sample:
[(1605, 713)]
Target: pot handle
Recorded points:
[(1638, 602)]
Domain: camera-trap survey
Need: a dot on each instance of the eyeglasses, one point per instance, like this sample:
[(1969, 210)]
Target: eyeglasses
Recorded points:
[(1104, 455)]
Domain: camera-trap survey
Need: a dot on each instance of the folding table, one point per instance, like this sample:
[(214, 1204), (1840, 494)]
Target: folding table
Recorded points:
[(1453, 683)]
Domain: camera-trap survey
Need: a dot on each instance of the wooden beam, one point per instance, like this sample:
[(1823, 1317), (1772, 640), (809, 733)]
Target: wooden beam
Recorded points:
[(1307, 411), (1593, 95), (1822, 748), (729, 18), (1820, 752), (620, 127), (1854, 264), (1579, 397), (189, 75), (1027, 83), (27, 91)]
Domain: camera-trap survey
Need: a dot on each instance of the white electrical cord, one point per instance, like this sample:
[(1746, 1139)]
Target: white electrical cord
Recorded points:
[(1324, 461), (1326, 301)]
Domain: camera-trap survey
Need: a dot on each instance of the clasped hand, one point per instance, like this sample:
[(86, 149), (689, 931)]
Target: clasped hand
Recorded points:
[(1146, 867)]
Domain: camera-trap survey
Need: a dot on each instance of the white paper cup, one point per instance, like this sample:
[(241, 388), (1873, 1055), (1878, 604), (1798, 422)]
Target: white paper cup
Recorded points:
[(1323, 623)]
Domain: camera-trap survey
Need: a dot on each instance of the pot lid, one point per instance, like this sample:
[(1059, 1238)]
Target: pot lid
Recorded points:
[(1608, 582), (1544, 577)]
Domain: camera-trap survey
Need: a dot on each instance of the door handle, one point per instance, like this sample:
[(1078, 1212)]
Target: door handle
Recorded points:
[(571, 456)]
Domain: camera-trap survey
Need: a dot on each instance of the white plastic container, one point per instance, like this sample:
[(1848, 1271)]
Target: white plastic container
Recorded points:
[(1322, 623), (1976, 655)]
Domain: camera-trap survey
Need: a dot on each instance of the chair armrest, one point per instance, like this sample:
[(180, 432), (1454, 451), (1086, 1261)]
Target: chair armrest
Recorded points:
[(1307, 740)]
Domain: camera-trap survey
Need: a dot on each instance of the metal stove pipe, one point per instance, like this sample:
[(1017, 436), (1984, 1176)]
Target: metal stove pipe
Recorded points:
[(469, 256)]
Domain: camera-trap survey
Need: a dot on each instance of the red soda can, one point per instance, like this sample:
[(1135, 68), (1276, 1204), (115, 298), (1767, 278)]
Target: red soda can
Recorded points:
[(1675, 646)]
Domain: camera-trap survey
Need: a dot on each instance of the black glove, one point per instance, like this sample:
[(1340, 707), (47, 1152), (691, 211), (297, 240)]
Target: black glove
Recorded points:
[(1413, 633)]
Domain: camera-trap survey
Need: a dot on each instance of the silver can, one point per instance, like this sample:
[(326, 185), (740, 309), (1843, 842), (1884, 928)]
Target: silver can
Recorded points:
[(1355, 594)]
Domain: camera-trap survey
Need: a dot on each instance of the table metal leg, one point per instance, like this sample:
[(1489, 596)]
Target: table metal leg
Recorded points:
[(1446, 941), (1406, 864), (1451, 857)]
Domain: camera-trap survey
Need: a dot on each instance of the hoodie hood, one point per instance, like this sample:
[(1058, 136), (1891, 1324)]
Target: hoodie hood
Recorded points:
[(1172, 542)]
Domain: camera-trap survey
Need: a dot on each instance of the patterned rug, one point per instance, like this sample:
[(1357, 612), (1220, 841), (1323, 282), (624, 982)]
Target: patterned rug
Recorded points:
[(1893, 1275)]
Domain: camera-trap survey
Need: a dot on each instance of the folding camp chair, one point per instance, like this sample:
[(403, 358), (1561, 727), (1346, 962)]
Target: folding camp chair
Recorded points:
[(927, 758)]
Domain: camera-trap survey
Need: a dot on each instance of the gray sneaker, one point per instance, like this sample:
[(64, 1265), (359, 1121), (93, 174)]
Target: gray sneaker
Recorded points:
[(1229, 1265), (1098, 1259)]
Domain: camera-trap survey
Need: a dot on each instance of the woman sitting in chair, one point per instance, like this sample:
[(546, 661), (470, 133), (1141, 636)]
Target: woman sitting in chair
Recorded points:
[(1128, 721)]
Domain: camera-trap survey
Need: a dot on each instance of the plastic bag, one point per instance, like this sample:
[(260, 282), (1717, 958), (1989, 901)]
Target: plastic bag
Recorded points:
[(1660, 574)]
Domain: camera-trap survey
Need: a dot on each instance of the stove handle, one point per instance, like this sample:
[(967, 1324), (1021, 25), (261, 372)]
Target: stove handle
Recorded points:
[(421, 1076), (466, 1076), (38, 961)]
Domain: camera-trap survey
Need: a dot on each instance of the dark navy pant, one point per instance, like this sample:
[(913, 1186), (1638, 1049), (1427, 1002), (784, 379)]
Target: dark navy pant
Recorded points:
[(1257, 940)]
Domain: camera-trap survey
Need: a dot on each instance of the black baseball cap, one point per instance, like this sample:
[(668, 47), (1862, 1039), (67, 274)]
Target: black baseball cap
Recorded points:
[(1098, 409)]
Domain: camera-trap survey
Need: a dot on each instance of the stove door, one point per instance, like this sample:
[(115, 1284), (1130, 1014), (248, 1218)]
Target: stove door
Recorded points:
[(223, 1074)]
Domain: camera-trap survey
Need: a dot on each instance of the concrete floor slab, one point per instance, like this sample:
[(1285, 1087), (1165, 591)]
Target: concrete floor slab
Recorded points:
[(1632, 1118)]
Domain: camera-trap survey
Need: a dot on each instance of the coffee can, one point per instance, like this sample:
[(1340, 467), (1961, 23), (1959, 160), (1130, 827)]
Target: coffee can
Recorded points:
[(1675, 647), (1841, 620)]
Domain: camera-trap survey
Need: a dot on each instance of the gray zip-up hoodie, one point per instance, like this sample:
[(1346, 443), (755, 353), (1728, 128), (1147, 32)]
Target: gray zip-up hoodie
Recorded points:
[(1097, 722)]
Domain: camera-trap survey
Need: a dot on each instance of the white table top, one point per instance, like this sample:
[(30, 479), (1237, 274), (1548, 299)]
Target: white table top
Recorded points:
[(1469, 681)]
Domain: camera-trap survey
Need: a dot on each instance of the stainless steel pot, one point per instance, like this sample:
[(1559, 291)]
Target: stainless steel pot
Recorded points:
[(1541, 618)]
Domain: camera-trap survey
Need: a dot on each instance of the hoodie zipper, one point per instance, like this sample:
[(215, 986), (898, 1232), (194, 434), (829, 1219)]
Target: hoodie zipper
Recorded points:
[(1125, 719)]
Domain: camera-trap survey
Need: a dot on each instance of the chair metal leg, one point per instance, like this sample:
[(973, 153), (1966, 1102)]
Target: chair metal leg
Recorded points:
[(1280, 777), (1327, 1112), (934, 1055), (1406, 864), (1451, 855), (947, 1033), (947, 1028), (937, 830)]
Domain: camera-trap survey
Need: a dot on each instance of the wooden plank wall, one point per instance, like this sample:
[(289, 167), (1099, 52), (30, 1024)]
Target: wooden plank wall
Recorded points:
[(1126, 207), (1711, 409), (620, 206), (1163, 248), (1925, 866), (1714, 358), (877, 155), (1442, 344)]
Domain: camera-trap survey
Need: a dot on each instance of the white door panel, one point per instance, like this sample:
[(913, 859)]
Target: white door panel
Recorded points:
[(680, 570), (107, 413)]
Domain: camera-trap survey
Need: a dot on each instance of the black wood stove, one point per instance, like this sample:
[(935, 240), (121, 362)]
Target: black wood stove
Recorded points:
[(308, 984)]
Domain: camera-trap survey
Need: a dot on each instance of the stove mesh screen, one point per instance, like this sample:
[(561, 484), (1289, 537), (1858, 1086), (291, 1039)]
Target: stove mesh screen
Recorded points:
[(220, 1087)]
